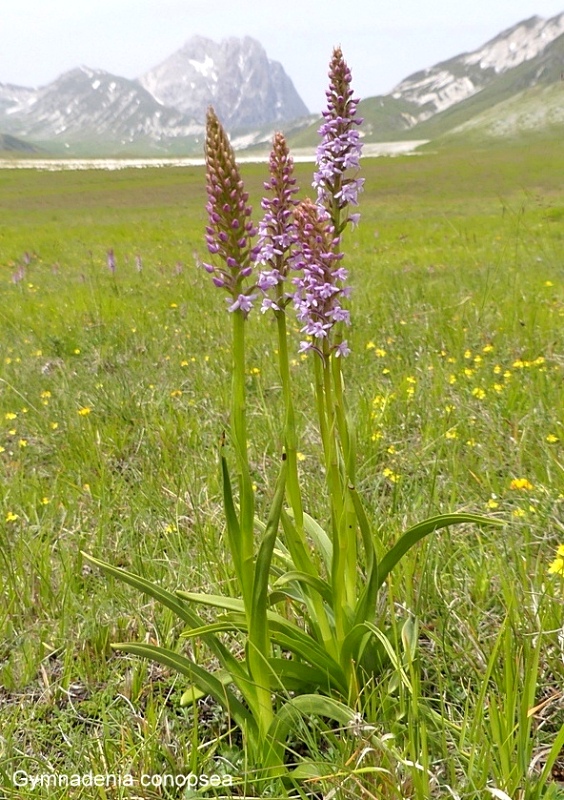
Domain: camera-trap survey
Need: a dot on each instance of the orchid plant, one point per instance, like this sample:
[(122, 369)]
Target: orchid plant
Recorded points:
[(307, 608)]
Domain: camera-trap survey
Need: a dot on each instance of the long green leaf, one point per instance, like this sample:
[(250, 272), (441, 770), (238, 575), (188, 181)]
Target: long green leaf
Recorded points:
[(321, 540), (200, 677), (291, 638), (233, 527), (366, 603), (319, 585), (258, 629), (297, 677), (308, 705), (163, 596), (295, 545), (302, 561), (213, 600), (172, 602), (287, 718), (418, 532)]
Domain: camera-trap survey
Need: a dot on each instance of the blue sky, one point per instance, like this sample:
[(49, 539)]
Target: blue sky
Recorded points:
[(383, 40)]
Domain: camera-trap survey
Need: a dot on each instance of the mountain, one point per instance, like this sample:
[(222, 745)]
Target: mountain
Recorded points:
[(9, 144), (86, 111), (429, 102), (11, 95), (453, 81), (91, 112), (246, 88), (520, 85), (95, 110), (536, 111)]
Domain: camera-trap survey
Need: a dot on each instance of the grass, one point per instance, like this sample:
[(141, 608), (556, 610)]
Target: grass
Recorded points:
[(113, 395)]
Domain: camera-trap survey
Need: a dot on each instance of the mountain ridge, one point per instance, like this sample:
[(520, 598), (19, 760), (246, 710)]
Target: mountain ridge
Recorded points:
[(163, 111)]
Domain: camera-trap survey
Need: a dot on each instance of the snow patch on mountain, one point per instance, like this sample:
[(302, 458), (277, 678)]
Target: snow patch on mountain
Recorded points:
[(204, 68), (518, 44), (439, 87)]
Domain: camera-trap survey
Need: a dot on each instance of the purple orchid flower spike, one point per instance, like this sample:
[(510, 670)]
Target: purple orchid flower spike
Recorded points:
[(319, 289), (230, 228), (338, 154), (277, 232)]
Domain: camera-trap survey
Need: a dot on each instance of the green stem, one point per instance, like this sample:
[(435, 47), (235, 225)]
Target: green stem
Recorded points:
[(336, 489), (299, 549), (346, 437), (239, 431), (290, 436)]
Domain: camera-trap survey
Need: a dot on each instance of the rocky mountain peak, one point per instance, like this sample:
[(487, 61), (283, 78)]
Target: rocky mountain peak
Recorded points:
[(236, 76)]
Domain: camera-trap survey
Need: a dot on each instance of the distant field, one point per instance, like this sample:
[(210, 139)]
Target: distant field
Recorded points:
[(113, 395)]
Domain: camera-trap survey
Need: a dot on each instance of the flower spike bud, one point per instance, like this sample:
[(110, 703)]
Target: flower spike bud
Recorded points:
[(229, 228)]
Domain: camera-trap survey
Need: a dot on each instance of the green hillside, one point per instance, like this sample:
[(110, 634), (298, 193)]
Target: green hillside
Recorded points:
[(544, 70)]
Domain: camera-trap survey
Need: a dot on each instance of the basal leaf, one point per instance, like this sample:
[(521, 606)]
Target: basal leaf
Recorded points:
[(418, 532)]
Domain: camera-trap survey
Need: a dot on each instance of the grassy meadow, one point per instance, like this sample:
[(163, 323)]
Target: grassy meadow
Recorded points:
[(114, 392)]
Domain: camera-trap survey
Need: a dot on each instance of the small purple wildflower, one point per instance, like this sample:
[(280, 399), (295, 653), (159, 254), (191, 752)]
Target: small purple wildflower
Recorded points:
[(244, 302), (111, 261), (230, 227), (319, 289), (341, 146), (277, 230), (18, 275)]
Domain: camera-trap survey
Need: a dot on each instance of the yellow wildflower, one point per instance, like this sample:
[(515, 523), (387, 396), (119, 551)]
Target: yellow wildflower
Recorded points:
[(522, 484), (83, 412), (551, 438), (557, 566), (11, 517)]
